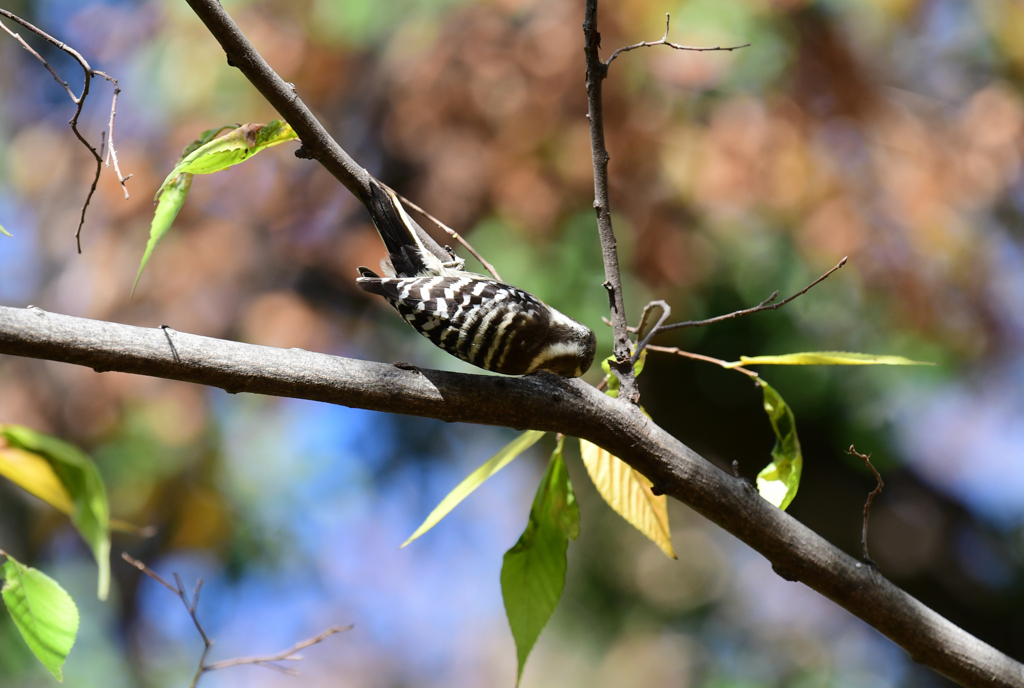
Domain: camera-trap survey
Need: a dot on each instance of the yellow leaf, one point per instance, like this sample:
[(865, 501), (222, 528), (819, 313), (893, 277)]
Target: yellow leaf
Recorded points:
[(824, 358), (35, 475), (629, 494)]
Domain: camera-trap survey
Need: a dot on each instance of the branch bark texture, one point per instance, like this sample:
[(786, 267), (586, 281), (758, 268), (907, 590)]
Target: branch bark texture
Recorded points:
[(539, 402)]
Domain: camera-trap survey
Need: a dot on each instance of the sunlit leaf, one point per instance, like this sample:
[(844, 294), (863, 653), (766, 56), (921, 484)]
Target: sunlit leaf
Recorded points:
[(36, 475), (476, 479), (43, 613), (78, 475), (212, 152), (824, 358), (4, 231), (779, 480), (533, 571), (629, 494), (171, 200), (273, 133)]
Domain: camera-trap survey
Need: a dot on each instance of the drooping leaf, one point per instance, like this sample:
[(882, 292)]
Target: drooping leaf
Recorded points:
[(78, 475), (172, 197), (4, 231), (825, 358), (212, 152), (779, 480), (629, 494), (43, 613), (476, 479), (533, 571), (35, 474)]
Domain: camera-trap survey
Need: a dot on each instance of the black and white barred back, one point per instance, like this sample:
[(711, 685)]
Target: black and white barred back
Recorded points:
[(489, 324)]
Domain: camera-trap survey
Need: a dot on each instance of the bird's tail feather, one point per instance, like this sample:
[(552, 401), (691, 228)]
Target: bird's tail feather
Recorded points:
[(411, 250)]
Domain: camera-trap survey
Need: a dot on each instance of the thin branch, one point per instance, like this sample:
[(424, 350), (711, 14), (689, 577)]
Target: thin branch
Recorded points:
[(289, 655), (111, 153), (451, 232), (539, 402), (266, 661), (597, 70), (867, 505), (79, 102), (664, 41), (766, 305), (701, 357), (666, 312)]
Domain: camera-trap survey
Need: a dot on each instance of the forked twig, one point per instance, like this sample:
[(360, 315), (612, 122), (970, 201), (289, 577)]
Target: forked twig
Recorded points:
[(766, 305), (867, 505), (79, 102), (451, 232), (664, 41), (289, 655)]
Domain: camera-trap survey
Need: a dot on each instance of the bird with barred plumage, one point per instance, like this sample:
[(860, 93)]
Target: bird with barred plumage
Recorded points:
[(487, 323)]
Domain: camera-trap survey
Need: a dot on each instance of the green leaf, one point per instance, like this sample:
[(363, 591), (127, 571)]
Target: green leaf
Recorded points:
[(824, 358), (171, 200), (212, 152), (476, 479), (43, 613), (4, 231), (779, 480), (78, 475), (533, 571)]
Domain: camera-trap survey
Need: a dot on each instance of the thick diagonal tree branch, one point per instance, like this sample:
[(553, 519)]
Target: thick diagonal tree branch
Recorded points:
[(539, 402)]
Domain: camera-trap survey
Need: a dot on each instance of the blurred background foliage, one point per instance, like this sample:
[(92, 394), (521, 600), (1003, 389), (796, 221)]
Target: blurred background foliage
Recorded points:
[(887, 130)]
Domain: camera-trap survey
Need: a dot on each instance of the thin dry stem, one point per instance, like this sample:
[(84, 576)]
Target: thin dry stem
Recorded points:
[(867, 505), (79, 102), (664, 41), (701, 357), (766, 305), (265, 661)]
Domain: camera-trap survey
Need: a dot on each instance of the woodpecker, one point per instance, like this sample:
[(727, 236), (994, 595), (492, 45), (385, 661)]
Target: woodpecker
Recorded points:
[(487, 323)]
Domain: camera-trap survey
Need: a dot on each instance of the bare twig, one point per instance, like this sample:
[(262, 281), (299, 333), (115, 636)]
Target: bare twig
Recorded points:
[(701, 357), (451, 232), (266, 661), (79, 102), (766, 305), (289, 655), (111, 155), (867, 505), (597, 70), (664, 41)]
